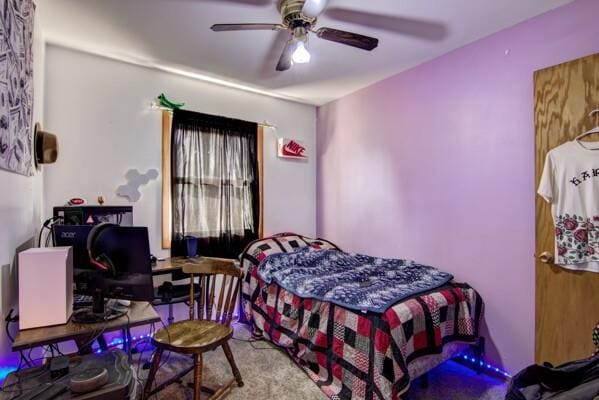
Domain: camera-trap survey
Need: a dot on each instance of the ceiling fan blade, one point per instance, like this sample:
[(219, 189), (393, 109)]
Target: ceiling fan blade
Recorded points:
[(246, 27), (313, 8), (348, 38), (271, 57), (285, 61), (424, 29)]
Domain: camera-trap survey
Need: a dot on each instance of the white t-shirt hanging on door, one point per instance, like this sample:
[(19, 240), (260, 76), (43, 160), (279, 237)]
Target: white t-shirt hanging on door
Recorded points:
[(570, 183)]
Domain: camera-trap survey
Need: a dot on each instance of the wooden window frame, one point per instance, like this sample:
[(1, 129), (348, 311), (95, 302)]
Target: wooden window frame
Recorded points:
[(167, 122)]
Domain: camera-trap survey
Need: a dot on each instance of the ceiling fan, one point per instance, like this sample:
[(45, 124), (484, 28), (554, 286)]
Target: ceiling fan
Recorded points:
[(300, 17)]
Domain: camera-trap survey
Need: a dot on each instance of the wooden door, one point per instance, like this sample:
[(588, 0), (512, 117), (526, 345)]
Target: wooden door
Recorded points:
[(567, 302)]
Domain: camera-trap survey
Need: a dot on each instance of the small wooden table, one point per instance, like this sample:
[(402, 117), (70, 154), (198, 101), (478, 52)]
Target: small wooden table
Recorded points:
[(139, 313), (36, 382)]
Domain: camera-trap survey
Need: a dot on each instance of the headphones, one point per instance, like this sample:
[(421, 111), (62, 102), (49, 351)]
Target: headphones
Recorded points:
[(101, 261)]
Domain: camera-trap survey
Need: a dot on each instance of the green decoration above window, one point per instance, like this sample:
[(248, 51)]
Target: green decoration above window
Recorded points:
[(164, 102)]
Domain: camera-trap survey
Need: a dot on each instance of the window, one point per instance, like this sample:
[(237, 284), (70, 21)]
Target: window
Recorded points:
[(212, 182)]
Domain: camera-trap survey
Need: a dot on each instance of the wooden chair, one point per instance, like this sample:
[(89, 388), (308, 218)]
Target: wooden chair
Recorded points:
[(197, 336)]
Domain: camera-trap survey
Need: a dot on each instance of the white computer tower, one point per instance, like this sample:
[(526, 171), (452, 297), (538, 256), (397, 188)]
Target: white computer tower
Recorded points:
[(45, 286)]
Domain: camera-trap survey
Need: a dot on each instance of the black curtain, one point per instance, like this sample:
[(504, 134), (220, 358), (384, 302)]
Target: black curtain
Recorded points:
[(215, 190)]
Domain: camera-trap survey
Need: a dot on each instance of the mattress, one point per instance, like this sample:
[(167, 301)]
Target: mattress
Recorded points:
[(351, 354)]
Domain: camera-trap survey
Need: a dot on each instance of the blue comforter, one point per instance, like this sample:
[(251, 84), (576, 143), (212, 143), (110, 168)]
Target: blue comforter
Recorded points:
[(353, 281)]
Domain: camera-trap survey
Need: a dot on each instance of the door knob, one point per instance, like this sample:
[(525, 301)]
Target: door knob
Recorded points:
[(546, 257)]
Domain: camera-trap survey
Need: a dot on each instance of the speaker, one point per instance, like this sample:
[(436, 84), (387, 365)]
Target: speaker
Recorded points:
[(45, 286)]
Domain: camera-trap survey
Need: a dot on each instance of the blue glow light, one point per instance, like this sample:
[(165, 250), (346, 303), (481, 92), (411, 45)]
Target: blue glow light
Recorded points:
[(481, 362), (4, 371), (120, 341)]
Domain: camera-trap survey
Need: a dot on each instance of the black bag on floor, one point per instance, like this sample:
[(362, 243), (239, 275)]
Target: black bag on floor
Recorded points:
[(577, 380)]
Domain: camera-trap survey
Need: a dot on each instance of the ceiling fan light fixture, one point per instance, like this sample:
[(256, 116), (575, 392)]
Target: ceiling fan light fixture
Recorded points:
[(313, 8), (301, 55)]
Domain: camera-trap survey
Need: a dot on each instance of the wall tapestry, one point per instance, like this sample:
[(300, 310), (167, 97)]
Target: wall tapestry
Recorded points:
[(16, 85)]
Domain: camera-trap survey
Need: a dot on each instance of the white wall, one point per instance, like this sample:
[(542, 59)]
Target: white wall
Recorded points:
[(20, 207), (99, 108)]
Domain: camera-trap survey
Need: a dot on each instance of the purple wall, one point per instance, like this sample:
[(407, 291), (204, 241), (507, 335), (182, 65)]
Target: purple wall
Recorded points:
[(436, 164)]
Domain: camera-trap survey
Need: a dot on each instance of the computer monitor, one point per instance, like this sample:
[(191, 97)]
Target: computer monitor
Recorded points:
[(76, 237), (128, 249)]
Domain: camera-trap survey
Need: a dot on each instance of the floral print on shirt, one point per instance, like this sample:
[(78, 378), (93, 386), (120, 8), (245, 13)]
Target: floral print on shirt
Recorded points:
[(577, 239)]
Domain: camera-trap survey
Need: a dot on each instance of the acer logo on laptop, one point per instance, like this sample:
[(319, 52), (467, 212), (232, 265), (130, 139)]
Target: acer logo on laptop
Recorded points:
[(290, 148)]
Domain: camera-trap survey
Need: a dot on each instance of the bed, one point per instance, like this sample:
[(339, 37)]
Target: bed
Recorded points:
[(353, 354)]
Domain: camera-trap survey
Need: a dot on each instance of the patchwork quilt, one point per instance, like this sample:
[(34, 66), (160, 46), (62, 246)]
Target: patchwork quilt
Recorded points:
[(354, 281), (353, 354)]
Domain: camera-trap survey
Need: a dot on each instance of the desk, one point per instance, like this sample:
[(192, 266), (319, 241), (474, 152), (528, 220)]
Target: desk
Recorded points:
[(167, 266), (175, 264), (172, 264), (139, 313)]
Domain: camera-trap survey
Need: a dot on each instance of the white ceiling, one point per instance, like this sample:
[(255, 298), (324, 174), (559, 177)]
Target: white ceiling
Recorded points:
[(175, 34)]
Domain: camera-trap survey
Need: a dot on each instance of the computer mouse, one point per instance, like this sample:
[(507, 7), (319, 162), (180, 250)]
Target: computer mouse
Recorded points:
[(125, 303)]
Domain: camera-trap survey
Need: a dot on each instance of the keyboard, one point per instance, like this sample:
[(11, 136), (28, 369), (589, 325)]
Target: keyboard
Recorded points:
[(81, 300)]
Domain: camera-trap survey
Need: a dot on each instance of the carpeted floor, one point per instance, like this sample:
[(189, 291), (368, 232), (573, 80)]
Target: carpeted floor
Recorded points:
[(268, 373)]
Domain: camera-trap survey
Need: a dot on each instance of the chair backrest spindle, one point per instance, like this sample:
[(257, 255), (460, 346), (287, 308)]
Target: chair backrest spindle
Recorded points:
[(202, 296), (220, 303), (228, 300), (210, 301), (219, 309), (232, 304)]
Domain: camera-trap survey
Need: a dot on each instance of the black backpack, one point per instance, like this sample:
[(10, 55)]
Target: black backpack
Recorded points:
[(577, 380)]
